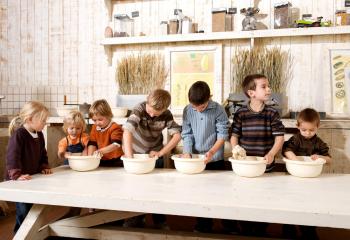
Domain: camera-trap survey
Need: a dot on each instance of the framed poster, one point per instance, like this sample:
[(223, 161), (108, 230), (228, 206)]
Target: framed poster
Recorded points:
[(190, 64), (340, 80)]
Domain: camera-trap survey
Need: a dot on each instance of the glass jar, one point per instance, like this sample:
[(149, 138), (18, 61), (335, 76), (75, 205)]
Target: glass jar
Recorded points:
[(123, 26), (282, 15), (164, 28)]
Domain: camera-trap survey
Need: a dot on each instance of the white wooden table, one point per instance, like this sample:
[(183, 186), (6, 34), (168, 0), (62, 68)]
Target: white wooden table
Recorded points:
[(276, 197)]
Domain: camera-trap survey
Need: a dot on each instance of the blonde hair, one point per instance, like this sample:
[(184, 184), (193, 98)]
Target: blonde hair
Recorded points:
[(75, 118), (102, 108), (29, 110), (159, 99)]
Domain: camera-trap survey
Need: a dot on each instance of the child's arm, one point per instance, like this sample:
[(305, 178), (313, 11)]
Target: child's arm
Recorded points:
[(115, 138), (218, 144), (279, 140), (322, 151), (316, 156), (234, 140), (127, 143), (175, 139), (290, 155), (187, 134)]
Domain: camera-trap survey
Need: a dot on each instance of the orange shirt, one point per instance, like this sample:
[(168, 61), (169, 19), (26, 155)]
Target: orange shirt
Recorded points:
[(63, 144), (104, 138)]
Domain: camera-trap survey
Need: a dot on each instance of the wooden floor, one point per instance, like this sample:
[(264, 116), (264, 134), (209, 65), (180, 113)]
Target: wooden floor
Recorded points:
[(187, 224)]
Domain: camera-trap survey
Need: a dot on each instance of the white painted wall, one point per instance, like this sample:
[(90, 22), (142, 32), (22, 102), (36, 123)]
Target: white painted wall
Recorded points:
[(49, 48)]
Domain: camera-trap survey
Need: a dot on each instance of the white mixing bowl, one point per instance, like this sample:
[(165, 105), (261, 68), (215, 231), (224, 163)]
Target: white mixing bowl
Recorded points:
[(65, 110), (139, 164), (119, 111), (252, 166), (189, 165), (83, 163), (304, 166)]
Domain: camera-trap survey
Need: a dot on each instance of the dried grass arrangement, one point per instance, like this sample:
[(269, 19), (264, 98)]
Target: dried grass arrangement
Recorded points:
[(141, 74), (273, 63)]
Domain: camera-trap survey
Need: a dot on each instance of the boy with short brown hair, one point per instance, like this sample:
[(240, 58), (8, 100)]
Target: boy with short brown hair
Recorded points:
[(143, 134), (306, 142)]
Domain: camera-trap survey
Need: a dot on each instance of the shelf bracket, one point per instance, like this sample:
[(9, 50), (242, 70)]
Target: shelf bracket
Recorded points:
[(251, 43), (109, 54)]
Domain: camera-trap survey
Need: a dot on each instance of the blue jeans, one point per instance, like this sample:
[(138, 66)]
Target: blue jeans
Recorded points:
[(22, 210)]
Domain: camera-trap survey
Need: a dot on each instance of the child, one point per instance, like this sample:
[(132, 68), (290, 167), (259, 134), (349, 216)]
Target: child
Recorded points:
[(26, 153), (258, 129), (305, 143), (106, 135), (143, 134), (204, 131), (76, 140)]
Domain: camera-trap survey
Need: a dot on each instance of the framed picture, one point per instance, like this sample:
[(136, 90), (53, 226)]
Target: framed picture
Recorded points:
[(340, 80), (190, 64)]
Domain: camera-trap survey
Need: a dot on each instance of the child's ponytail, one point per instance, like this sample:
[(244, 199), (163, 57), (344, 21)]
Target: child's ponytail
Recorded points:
[(15, 123)]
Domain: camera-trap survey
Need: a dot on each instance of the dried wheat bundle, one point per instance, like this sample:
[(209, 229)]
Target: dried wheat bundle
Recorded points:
[(274, 63), (141, 74)]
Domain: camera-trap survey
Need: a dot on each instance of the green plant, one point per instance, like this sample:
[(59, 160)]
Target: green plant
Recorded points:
[(274, 63), (141, 74)]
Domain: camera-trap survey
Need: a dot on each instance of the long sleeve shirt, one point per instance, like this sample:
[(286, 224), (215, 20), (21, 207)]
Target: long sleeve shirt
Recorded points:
[(200, 130), (147, 130), (25, 154)]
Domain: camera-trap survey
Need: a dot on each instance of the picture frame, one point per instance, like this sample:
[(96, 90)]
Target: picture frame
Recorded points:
[(190, 64), (340, 81)]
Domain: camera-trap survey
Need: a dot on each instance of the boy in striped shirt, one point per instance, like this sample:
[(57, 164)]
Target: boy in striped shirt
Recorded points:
[(143, 134), (258, 129)]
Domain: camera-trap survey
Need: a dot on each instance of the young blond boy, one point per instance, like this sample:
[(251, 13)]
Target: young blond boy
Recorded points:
[(143, 134)]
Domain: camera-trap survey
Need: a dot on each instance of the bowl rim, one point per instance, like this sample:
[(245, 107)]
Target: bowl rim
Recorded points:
[(74, 157), (146, 159), (259, 160), (199, 158), (318, 161)]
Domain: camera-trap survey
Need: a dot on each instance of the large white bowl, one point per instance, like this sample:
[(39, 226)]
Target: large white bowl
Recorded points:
[(189, 165), (139, 164), (304, 167), (252, 166), (83, 163), (64, 111), (120, 111)]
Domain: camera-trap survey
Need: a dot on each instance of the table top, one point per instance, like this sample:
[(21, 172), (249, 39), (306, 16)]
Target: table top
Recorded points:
[(274, 197)]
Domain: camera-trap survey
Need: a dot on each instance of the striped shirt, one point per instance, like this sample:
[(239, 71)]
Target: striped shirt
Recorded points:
[(200, 130), (256, 131), (147, 130)]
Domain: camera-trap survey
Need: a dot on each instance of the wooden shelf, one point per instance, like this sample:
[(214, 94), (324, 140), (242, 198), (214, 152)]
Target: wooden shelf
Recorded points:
[(287, 32)]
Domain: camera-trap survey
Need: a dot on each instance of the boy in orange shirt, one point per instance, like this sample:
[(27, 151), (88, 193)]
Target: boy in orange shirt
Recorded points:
[(106, 135)]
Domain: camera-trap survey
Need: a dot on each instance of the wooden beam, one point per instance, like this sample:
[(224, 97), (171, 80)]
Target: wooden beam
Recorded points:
[(95, 218), (136, 234), (32, 223)]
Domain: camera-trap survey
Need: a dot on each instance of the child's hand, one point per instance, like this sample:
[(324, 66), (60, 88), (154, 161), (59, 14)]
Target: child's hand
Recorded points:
[(315, 156), (24, 177), (98, 153), (154, 154), (269, 158), (185, 155), (46, 171), (67, 154), (208, 157)]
